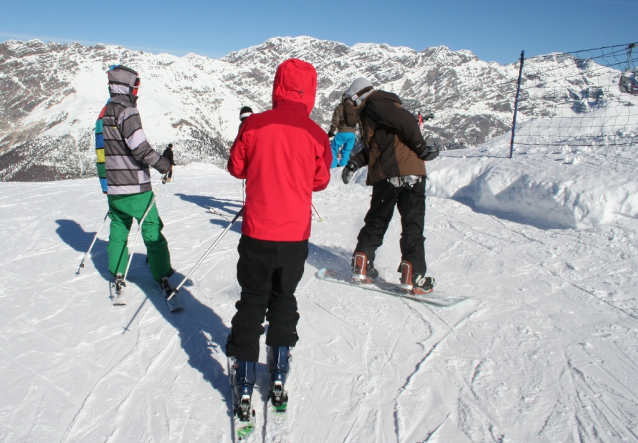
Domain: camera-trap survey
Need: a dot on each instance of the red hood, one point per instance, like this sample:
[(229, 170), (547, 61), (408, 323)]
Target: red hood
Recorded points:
[(296, 81)]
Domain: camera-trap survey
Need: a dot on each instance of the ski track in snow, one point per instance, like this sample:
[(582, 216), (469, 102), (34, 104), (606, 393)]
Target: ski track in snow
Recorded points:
[(545, 349)]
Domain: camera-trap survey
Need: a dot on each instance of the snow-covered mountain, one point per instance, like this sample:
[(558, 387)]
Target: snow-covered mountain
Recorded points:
[(52, 93)]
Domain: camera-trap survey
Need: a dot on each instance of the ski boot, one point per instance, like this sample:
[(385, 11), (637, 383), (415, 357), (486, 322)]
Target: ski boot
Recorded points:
[(363, 269), (165, 287), (170, 293), (415, 283), (242, 379), (117, 290), (278, 365)]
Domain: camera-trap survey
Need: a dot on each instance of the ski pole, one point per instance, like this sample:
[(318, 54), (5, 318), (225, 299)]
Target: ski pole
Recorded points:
[(93, 242), (243, 192), (205, 254), (139, 228), (313, 207)]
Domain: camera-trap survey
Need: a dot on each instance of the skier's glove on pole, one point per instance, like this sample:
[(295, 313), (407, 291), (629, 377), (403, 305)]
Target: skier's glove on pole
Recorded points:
[(348, 172), (164, 179), (429, 153)]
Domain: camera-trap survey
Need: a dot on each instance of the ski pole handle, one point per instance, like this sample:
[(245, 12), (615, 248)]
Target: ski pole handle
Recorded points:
[(206, 254)]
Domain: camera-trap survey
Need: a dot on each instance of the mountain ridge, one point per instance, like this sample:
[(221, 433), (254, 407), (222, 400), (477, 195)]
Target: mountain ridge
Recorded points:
[(51, 94)]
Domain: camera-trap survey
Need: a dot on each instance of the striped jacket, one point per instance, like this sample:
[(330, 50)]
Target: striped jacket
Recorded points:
[(123, 153)]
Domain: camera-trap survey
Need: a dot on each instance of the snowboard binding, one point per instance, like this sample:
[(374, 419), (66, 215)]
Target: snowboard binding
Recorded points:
[(363, 270)]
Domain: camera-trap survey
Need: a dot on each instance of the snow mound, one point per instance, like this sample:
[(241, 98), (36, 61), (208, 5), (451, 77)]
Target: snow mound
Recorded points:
[(543, 186)]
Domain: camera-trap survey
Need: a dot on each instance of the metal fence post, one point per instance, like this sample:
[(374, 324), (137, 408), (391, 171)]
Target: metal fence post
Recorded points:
[(518, 91)]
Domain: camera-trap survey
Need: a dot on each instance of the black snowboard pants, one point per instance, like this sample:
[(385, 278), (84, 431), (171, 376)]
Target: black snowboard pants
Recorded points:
[(410, 201), (268, 273)]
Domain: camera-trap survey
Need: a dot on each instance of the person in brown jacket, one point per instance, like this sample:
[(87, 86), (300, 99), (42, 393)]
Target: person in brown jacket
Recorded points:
[(344, 121), (394, 151)]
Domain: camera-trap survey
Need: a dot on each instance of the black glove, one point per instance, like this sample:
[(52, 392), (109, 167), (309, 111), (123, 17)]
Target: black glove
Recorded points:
[(430, 153), (348, 172), (164, 177), (163, 165), (331, 134), (428, 116)]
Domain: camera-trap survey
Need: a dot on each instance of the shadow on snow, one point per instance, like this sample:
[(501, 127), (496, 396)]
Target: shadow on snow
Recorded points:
[(200, 328), (207, 202)]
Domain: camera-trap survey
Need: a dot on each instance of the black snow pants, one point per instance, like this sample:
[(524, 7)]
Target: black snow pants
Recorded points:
[(410, 201), (268, 273)]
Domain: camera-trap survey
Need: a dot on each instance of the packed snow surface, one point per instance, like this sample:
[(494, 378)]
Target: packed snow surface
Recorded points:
[(546, 349)]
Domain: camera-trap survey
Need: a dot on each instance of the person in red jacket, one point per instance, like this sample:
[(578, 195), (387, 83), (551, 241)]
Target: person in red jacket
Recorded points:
[(284, 156)]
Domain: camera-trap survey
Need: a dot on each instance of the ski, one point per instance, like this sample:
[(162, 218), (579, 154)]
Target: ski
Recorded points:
[(278, 398), (276, 427), (117, 291), (174, 304), (170, 294), (436, 297), (276, 414), (244, 419)]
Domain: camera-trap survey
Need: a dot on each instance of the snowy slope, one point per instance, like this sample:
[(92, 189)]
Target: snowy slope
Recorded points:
[(545, 351)]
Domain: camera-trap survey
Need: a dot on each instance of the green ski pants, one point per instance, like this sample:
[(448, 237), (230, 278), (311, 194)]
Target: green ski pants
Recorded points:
[(123, 209)]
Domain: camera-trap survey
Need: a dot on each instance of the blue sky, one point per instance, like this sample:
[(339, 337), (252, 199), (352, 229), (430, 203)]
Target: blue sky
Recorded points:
[(494, 30)]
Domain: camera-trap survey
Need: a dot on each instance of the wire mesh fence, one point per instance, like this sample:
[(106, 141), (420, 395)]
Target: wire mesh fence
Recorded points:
[(580, 98)]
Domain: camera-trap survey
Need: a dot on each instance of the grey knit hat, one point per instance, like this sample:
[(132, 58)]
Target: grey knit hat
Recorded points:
[(359, 90)]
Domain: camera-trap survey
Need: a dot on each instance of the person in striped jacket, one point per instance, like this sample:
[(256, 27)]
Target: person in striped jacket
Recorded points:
[(124, 157)]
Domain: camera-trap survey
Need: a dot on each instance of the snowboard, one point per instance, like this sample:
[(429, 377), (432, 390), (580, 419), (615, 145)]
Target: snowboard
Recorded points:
[(436, 297)]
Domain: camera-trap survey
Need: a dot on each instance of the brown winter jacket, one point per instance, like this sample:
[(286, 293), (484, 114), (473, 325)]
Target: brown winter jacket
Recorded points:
[(344, 118), (391, 136)]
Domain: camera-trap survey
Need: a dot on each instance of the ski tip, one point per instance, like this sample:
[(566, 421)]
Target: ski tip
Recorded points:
[(174, 307), (245, 431)]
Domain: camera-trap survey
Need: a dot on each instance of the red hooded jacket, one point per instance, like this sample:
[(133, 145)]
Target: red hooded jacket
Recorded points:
[(284, 156)]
